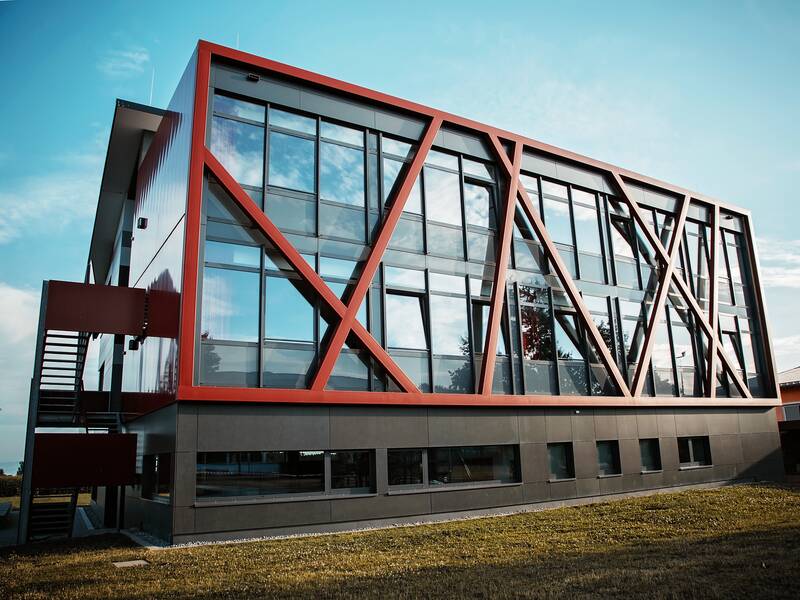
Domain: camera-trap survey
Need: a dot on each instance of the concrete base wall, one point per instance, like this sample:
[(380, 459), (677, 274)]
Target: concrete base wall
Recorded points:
[(744, 446)]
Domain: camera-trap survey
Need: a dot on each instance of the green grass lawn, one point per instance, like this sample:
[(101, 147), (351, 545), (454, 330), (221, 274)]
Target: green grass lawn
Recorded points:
[(741, 541), (83, 500)]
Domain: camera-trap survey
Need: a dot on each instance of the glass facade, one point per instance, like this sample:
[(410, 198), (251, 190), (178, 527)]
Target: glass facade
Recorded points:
[(327, 186)]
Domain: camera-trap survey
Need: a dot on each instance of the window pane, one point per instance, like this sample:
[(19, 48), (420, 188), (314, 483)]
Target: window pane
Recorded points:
[(530, 183), (405, 467), (537, 335), (567, 336), (224, 474), (391, 171), (407, 278), (449, 328), (554, 189), (230, 305), (228, 366), (416, 368), (396, 147), (336, 267), (289, 316), (238, 108), (478, 205), (452, 375), (442, 159), (339, 133), (233, 254), (287, 120), (407, 235), (480, 325), (651, 455), (469, 464), (342, 174), (445, 241), (453, 284), (286, 366), (404, 324), (477, 169), (240, 149), (442, 196), (341, 222), (481, 247), (608, 458), (350, 373), (291, 162), (351, 469), (557, 221), (562, 465), (587, 232), (292, 214)]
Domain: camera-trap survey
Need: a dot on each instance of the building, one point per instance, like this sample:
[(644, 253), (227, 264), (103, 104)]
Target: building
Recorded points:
[(321, 306), (789, 420)]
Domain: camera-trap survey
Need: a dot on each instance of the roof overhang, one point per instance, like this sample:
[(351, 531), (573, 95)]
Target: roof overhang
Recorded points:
[(131, 120)]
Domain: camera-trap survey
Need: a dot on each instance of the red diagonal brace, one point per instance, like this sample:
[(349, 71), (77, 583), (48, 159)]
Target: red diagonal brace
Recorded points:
[(713, 305), (681, 284), (665, 281), (305, 271), (571, 290), (501, 269), (375, 256)]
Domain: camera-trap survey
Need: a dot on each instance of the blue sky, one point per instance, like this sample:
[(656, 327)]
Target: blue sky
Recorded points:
[(701, 94)]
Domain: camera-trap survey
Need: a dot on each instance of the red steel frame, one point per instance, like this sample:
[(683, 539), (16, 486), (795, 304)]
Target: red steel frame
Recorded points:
[(202, 160)]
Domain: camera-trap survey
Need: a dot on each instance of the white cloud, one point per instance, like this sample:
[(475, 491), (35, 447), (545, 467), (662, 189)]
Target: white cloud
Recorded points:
[(124, 64), (780, 262), (787, 350)]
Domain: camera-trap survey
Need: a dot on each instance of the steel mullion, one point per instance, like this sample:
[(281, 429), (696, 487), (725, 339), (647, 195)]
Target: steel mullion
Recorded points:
[(375, 256), (713, 308), (501, 270), (679, 283), (303, 269), (665, 281)]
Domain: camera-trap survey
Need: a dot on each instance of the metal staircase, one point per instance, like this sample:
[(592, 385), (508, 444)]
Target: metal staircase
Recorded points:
[(61, 363)]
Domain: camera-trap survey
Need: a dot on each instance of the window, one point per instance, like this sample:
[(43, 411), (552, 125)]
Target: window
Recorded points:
[(608, 458), (157, 476), (473, 464), (449, 328), (230, 305), (391, 172), (288, 316), (442, 196), (352, 470), (240, 148), (561, 460), (342, 168), (405, 327), (478, 206), (405, 467), (291, 162), (651, 455), (225, 474), (694, 452), (557, 221)]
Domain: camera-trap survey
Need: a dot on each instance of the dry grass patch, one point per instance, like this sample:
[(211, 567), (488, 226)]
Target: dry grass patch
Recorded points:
[(735, 541)]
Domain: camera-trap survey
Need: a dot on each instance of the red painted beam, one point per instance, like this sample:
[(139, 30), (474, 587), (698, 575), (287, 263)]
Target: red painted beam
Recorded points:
[(79, 459), (94, 308)]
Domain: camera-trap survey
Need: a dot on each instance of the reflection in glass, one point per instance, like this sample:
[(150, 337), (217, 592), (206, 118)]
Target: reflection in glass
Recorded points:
[(225, 365), (350, 373), (476, 169), (287, 364), (453, 284), (587, 232), (442, 196), (225, 474), (478, 206), (351, 469), (562, 463), (233, 254), (391, 171), (480, 326), (291, 162), (348, 135), (449, 328), (230, 305), (405, 467), (336, 267), (440, 159), (342, 174), (445, 241), (396, 147), (608, 458), (537, 335), (407, 278), (240, 149), (238, 108), (407, 235), (557, 221), (287, 120), (289, 316), (292, 214), (405, 327), (472, 464), (341, 222)]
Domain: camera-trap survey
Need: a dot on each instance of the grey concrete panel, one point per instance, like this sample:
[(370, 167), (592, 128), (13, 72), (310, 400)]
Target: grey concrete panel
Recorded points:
[(532, 425), (669, 453), (183, 485), (630, 456), (590, 486), (559, 424), (378, 427), (155, 431), (726, 449), (186, 440), (757, 421), (666, 423), (722, 421), (762, 457), (150, 516), (690, 422), (260, 516), (611, 485), (633, 482), (460, 426), (562, 490), (647, 423), (183, 521), (605, 424), (724, 472), (257, 427), (400, 126), (534, 462), (652, 480), (476, 498), (330, 106), (357, 509), (579, 176), (268, 89), (583, 425), (539, 165), (585, 459), (626, 424), (536, 492), (672, 477), (464, 143)]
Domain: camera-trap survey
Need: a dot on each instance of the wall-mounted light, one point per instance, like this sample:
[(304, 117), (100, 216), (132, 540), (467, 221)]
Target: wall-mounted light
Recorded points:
[(253, 77), (141, 223)]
